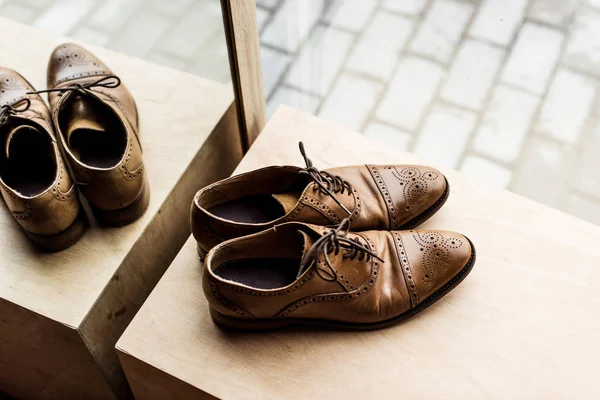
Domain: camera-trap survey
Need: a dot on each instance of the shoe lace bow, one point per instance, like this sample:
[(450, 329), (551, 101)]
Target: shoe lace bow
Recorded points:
[(335, 241), (108, 81), (325, 182), (18, 106)]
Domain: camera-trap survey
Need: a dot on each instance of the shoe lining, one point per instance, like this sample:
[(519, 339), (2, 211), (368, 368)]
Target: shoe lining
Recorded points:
[(31, 167), (258, 208), (260, 273), (99, 148), (255, 209)]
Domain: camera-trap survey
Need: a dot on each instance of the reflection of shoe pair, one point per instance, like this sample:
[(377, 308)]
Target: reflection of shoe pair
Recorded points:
[(93, 118), (283, 251)]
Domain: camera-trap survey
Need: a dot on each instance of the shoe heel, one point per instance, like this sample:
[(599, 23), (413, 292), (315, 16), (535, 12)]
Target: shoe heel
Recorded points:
[(239, 324), (125, 215), (202, 253), (62, 240)]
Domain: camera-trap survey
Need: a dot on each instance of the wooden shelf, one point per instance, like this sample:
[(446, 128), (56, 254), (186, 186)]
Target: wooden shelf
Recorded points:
[(522, 325), (61, 314)]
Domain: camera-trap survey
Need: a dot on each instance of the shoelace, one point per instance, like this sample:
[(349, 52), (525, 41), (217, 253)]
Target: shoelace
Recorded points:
[(334, 241), (326, 183), (108, 81), (8, 110)]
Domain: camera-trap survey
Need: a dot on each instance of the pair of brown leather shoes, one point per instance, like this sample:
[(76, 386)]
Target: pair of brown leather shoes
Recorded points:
[(286, 245), (88, 136)]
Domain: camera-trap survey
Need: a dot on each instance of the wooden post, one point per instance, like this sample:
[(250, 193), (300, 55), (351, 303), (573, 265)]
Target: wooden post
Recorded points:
[(241, 32)]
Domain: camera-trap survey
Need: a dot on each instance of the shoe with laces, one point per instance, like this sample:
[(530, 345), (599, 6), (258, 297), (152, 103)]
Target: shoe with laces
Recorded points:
[(373, 197), (299, 273), (96, 122), (34, 182)]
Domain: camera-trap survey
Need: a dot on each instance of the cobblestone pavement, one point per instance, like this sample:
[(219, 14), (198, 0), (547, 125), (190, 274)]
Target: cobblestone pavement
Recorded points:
[(505, 90)]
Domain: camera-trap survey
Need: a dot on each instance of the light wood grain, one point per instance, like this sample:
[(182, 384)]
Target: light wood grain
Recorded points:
[(150, 383), (91, 291), (241, 32), (523, 325), (44, 359)]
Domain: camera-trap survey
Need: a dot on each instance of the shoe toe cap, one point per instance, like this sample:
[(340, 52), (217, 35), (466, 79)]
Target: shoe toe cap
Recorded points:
[(71, 61), (416, 191), (12, 86), (436, 258)]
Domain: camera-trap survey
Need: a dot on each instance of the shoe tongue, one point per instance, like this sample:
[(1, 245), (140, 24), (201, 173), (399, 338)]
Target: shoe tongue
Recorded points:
[(81, 118), (288, 201), (15, 132), (307, 242)]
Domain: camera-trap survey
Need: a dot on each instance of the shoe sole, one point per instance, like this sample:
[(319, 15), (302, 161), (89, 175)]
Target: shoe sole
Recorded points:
[(230, 323), (425, 215), (63, 240), (125, 215), (202, 253)]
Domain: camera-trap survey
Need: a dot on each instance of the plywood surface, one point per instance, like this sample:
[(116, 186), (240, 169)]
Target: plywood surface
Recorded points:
[(177, 111), (239, 18), (523, 325)]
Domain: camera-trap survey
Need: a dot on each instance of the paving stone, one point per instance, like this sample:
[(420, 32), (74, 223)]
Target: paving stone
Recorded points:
[(374, 56), (292, 23), (584, 208), (441, 30), (487, 172), (39, 4), (293, 98), (19, 12), (213, 62), (91, 35), (566, 107), (61, 17), (411, 7), (505, 123), (498, 20), (141, 34), (544, 172), (167, 61), (174, 8), (203, 22), (261, 17), (350, 101), (410, 91), (472, 74), (319, 60), (389, 135), (445, 135), (274, 64), (112, 15), (583, 47), (587, 176), (267, 3), (554, 12), (533, 58), (351, 15)]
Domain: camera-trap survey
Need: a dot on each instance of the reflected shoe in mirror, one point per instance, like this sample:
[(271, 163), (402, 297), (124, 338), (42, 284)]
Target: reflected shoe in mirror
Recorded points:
[(373, 197), (297, 273), (97, 124), (34, 182)]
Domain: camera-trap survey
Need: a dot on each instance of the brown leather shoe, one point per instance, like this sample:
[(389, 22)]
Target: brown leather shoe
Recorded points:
[(34, 182), (96, 121), (374, 197), (298, 273)]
